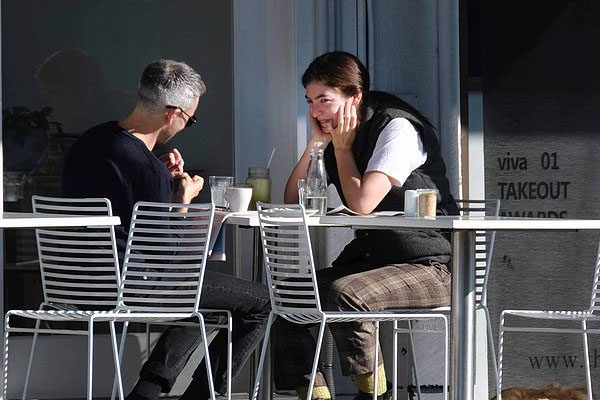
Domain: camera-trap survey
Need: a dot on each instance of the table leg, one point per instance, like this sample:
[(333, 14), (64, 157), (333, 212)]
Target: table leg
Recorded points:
[(462, 344), (257, 255), (266, 392)]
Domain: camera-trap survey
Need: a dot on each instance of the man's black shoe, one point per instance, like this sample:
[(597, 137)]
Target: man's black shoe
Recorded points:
[(134, 396), (387, 395)]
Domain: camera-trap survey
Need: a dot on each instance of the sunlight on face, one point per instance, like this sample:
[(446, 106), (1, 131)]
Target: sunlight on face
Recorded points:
[(178, 123), (324, 103)]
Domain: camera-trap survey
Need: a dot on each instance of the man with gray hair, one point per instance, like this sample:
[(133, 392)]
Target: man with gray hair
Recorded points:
[(115, 160)]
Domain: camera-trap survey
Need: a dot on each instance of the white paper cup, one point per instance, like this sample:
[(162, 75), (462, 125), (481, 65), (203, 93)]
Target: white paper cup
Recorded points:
[(238, 198)]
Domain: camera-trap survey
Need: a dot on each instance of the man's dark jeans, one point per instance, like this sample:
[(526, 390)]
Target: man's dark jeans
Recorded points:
[(250, 306)]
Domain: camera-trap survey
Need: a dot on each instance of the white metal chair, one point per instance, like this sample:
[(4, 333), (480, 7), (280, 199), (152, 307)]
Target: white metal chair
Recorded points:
[(80, 277), (293, 286), (483, 260), (525, 317), (163, 271)]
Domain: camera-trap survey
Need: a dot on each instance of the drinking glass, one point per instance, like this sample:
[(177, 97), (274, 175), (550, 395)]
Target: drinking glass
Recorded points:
[(427, 202), (301, 190), (218, 186)]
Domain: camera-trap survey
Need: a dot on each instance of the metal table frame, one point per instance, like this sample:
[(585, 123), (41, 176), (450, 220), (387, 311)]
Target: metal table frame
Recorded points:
[(462, 229), (20, 220)]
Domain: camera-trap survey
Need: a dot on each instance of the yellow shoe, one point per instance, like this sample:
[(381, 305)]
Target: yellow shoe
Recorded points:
[(365, 383), (387, 395), (318, 393)]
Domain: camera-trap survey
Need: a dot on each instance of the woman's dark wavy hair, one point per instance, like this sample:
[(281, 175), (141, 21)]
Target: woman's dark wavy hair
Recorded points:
[(338, 69), (344, 71)]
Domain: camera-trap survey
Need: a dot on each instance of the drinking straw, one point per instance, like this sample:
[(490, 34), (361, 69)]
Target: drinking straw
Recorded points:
[(270, 158)]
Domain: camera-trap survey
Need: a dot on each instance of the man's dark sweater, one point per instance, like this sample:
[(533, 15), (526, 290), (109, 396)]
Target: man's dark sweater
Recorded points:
[(107, 161)]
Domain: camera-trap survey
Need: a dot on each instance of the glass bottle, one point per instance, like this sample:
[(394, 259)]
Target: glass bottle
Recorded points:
[(315, 195), (260, 180)]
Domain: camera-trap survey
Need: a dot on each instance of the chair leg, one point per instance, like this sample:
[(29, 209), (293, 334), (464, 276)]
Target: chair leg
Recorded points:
[(229, 354), (586, 353), (121, 351), (30, 362), (491, 341), (211, 384), (414, 359), (5, 363), (263, 353), (446, 356), (376, 367), (316, 360), (500, 358), (116, 359), (395, 361), (90, 358)]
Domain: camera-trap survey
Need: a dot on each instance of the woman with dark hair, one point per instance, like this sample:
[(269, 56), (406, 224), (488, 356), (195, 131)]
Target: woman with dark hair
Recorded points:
[(376, 147)]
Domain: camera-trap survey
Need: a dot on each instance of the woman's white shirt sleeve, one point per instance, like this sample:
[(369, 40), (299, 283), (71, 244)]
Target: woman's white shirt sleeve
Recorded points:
[(398, 151)]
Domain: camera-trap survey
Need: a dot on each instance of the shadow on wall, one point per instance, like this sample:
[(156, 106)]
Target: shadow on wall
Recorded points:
[(73, 85), (76, 97)]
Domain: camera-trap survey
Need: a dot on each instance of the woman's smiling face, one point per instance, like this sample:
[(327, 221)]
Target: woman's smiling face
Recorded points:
[(324, 103)]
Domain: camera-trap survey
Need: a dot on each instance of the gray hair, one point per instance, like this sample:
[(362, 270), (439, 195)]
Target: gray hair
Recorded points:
[(169, 83)]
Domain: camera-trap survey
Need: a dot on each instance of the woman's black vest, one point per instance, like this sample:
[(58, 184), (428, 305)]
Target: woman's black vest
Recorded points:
[(382, 247)]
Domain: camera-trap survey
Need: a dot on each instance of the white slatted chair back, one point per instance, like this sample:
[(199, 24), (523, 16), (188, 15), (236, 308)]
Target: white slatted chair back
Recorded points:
[(484, 247), (79, 266), (165, 257), (288, 260), (595, 301)]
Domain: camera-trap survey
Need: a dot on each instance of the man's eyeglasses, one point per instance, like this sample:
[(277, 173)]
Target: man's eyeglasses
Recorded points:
[(191, 118)]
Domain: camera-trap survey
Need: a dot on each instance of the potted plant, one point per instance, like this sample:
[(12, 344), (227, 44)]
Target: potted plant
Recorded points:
[(25, 144), (25, 137)]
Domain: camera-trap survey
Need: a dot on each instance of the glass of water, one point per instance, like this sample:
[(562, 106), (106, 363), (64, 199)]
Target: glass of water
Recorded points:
[(301, 190), (314, 198), (218, 186)]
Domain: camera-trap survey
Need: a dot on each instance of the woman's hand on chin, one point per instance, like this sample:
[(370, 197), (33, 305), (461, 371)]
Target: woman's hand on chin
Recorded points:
[(319, 138)]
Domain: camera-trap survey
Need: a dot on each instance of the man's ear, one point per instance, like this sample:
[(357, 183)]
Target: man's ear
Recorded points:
[(357, 99), (169, 116)]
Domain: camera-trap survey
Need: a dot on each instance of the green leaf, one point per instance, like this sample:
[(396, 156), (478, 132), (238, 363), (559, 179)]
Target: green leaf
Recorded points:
[(21, 119)]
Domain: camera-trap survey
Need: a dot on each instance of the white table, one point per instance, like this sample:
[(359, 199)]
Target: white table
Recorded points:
[(462, 343), (33, 220), (462, 229)]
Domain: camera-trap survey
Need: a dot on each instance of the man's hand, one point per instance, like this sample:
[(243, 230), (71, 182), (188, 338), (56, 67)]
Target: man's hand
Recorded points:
[(189, 188), (174, 163)]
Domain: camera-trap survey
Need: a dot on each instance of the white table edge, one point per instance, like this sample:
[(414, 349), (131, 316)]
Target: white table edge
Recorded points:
[(250, 218), (33, 220)]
